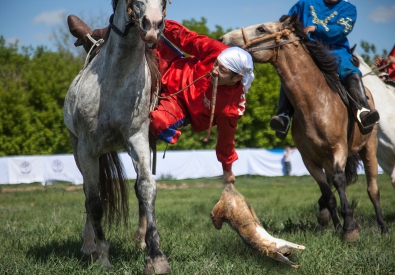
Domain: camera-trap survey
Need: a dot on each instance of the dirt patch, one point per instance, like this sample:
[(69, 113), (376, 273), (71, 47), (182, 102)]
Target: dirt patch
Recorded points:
[(74, 188), (79, 187), (185, 185), (19, 189)]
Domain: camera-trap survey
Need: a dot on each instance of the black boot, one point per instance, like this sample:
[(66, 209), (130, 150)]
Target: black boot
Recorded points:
[(367, 118), (280, 122)]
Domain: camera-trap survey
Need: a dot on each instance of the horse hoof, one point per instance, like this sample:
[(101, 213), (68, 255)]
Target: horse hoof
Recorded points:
[(324, 217), (157, 266), (351, 236), (90, 258)]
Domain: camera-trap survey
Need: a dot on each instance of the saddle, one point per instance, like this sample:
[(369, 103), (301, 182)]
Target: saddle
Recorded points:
[(80, 30)]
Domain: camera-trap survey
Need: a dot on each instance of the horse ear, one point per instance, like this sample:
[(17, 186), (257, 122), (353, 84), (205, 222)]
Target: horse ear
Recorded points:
[(289, 20), (294, 18), (353, 49), (164, 3)]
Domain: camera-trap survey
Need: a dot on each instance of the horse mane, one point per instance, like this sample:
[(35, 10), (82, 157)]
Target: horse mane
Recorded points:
[(320, 54), (153, 65)]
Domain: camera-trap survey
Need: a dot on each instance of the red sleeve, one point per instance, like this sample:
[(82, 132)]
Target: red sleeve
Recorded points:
[(190, 42), (226, 153)]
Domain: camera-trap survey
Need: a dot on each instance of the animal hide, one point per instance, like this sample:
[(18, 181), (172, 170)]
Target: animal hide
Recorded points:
[(233, 209)]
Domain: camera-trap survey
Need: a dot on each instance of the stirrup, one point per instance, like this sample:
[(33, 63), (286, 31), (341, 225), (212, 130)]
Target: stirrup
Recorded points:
[(362, 110), (278, 126)]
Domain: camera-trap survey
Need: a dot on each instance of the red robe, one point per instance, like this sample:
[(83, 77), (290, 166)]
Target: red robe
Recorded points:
[(391, 67), (195, 101)]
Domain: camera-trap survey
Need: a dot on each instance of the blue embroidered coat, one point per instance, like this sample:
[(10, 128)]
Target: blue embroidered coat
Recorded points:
[(333, 23)]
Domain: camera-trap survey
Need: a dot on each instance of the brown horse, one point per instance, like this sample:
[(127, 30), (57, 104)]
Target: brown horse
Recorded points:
[(328, 138)]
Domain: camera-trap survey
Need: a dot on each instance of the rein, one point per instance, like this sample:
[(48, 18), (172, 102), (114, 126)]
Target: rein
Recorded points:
[(176, 93), (128, 25), (376, 69), (277, 43)]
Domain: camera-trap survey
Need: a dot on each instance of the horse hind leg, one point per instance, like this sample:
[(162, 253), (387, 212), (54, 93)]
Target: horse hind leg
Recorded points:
[(368, 156), (393, 177), (88, 237)]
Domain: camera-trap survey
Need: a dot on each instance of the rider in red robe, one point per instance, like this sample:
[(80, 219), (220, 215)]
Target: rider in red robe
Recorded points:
[(193, 105), (209, 58)]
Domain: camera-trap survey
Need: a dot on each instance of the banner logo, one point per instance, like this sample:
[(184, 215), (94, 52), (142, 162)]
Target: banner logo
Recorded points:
[(26, 168), (57, 166)]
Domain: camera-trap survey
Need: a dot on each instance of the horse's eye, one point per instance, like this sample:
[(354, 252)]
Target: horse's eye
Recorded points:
[(261, 29)]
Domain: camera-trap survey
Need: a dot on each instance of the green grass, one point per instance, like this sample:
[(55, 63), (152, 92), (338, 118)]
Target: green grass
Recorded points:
[(40, 230)]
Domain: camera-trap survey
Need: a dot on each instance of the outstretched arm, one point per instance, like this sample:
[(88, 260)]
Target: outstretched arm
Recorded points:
[(190, 42)]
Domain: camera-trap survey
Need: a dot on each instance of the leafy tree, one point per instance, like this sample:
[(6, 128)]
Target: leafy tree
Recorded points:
[(33, 85), (201, 28), (369, 52)]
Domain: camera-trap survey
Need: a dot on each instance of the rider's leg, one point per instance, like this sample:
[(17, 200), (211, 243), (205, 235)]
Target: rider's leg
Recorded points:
[(280, 122), (355, 87), (166, 120), (79, 30)]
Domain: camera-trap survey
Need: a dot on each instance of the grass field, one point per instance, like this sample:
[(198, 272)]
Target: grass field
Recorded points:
[(40, 230)]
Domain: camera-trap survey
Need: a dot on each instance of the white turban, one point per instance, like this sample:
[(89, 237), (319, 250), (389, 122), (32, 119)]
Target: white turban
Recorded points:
[(239, 61)]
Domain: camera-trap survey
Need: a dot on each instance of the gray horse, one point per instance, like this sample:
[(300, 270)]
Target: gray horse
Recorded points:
[(107, 109)]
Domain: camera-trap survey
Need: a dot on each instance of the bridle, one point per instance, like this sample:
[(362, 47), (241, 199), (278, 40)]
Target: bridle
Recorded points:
[(134, 18), (277, 36)]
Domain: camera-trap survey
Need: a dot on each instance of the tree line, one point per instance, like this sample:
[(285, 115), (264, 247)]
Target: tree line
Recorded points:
[(34, 82)]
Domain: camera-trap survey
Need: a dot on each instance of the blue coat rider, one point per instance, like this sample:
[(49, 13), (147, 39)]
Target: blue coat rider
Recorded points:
[(329, 22)]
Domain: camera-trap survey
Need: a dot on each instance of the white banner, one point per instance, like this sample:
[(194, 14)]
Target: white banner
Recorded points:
[(176, 165), (25, 169)]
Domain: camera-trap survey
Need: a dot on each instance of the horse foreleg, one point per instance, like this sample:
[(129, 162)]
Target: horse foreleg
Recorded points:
[(141, 231), (323, 216), (90, 170), (88, 235), (94, 209), (138, 148), (350, 228), (368, 156), (327, 202)]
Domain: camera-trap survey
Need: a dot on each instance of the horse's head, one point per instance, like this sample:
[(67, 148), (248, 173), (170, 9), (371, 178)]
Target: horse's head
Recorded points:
[(261, 40), (148, 15)]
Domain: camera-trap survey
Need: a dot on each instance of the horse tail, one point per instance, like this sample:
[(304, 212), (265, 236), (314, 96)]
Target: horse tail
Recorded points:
[(113, 188), (351, 170)]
